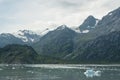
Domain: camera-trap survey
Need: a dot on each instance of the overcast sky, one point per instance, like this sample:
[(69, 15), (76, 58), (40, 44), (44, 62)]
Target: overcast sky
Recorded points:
[(39, 14)]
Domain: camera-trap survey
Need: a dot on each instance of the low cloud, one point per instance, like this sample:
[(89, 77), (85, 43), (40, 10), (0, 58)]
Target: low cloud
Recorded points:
[(40, 14)]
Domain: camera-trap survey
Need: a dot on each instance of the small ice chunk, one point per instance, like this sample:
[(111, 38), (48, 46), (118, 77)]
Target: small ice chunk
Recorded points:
[(1, 69), (30, 72), (97, 73), (13, 68), (92, 73)]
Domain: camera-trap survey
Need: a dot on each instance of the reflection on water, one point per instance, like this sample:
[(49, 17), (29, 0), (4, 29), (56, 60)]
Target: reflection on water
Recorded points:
[(59, 72)]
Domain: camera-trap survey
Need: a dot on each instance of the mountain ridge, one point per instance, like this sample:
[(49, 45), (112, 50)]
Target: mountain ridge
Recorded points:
[(92, 41)]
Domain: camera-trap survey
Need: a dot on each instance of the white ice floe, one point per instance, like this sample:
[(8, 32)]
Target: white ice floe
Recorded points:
[(92, 73)]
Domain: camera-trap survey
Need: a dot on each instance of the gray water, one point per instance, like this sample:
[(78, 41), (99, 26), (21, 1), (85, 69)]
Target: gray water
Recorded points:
[(59, 72)]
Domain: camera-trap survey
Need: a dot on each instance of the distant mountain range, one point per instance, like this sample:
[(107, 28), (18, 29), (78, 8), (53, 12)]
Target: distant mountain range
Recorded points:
[(94, 41)]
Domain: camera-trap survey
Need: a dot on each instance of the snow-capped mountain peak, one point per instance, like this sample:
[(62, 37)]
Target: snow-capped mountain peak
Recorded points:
[(5, 34), (90, 23), (27, 35), (61, 27)]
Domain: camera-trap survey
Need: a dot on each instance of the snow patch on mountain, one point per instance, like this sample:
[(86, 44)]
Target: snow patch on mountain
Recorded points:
[(26, 35), (20, 34), (85, 31), (61, 27), (110, 14), (97, 20), (76, 29), (5, 34)]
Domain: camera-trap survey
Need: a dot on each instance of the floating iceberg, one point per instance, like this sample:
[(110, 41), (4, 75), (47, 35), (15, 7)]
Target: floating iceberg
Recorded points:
[(13, 68), (1, 69), (92, 73)]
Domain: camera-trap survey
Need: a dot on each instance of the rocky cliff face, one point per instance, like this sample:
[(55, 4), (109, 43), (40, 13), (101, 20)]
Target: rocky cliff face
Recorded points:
[(102, 49), (89, 24)]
